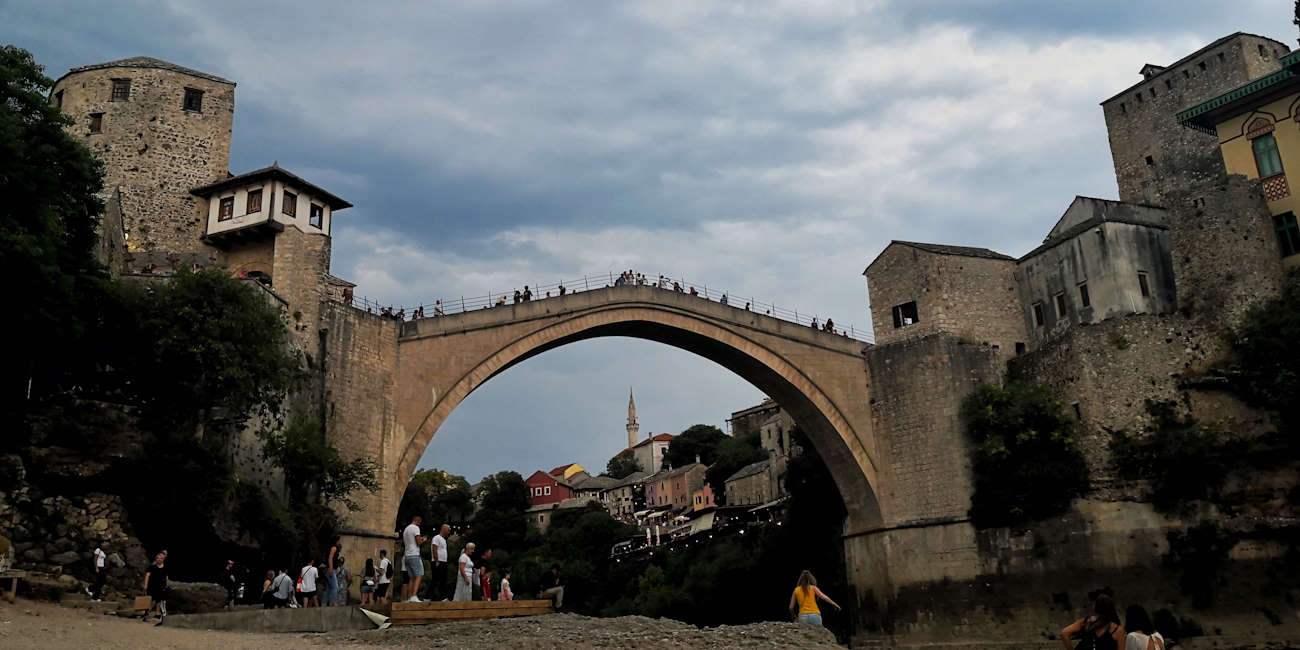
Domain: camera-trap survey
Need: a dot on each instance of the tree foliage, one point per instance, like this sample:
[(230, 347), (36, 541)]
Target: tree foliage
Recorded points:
[(437, 497), (48, 217), (1267, 345), (622, 465), (731, 455), (500, 522), (1180, 459), (1027, 463), (698, 441), (300, 449)]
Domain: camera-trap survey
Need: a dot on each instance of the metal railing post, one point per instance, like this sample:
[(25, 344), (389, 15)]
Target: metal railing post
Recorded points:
[(462, 304)]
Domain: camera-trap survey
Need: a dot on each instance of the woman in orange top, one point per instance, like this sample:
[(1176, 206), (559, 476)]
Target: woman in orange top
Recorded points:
[(803, 602)]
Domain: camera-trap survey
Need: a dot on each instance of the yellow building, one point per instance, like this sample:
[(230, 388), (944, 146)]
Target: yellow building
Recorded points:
[(1258, 127)]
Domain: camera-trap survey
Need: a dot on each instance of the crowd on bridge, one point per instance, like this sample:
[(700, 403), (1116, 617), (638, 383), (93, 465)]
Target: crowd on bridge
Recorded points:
[(626, 278)]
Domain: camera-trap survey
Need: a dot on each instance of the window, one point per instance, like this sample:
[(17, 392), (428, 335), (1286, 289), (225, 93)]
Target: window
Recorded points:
[(58, 99), (1201, 65), (1220, 57), (1169, 84), (537, 492), (1288, 233), (1038, 314), (96, 122), (290, 206), (1261, 51), (254, 202), (1142, 284), (1266, 156), (1020, 348), (1084, 299), (546, 490), (226, 210), (1153, 93), (317, 215), (1187, 75), (1059, 299), (121, 90), (1138, 97), (1151, 162), (193, 100), (1123, 109), (905, 314)]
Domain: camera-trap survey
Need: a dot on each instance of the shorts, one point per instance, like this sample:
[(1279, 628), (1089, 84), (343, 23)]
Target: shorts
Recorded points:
[(307, 594), (811, 619), (381, 590), (414, 566), (367, 589)]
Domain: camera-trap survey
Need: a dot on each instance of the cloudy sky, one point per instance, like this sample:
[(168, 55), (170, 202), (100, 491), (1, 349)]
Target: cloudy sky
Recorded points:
[(772, 149)]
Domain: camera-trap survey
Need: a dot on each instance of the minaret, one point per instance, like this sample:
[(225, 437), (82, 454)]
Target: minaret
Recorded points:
[(633, 429)]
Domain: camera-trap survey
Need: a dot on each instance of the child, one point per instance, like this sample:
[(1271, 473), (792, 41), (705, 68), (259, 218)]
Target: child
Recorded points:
[(506, 594)]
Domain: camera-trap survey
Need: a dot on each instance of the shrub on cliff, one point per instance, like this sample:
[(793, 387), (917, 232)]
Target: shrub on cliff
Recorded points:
[(1181, 460), (1027, 463)]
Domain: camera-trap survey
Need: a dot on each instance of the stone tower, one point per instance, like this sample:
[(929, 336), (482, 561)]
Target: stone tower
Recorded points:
[(633, 429), (160, 130)]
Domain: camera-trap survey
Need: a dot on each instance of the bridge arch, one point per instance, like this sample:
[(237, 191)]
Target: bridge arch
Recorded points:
[(820, 378)]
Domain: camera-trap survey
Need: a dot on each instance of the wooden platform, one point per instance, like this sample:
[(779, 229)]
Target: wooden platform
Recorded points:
[(424, 613)]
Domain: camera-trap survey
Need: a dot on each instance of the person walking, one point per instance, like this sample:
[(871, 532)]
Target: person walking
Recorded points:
[(307, 578), (231, 583), (438, 566), (482, 590), (411, 541), (368, 582), (803, 602), (155, 586), (98, 561), (331, 580), (342, 581), (1102, 628), (552, 586), (385, 576), (281, 589), (1142, 634), (465, 576), (505, 593)]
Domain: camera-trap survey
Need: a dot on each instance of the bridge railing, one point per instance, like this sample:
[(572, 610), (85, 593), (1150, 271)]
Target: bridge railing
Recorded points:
[(458, 304)]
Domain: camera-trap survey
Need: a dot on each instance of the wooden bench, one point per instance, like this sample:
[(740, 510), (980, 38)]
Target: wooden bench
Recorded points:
[(425, 613), (13, 575)]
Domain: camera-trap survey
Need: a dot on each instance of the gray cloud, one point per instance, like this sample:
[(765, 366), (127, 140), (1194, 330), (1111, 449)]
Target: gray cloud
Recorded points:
[(770, 149)]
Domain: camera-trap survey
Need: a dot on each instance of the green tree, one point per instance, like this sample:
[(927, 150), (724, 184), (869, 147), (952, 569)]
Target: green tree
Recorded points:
[(500, 522), (1027, 463), (48, 221), (308, 460), (1267, 345), (436, 496), (622, 465), (732, 454), (699, 441)]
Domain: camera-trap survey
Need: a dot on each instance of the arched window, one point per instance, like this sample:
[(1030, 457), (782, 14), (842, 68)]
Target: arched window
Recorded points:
[(1267, 159)]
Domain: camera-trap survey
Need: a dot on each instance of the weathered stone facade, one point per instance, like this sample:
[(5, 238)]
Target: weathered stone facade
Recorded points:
[(967, 292), (1150, 149), (154, 150)]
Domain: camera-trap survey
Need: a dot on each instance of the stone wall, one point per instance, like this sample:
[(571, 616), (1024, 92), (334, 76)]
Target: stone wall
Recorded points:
[(1140, 120), (972, 298), (154, 152), (301, 263), (917, 390), (112, 234), (1224, 248)]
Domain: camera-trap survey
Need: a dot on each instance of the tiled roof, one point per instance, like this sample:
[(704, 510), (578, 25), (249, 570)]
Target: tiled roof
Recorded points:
[(277, 171), (596, 483), (1171, 67), (659, 437), (149, 62), (632, 479), (749, 470), (963, 251), (561, 469)]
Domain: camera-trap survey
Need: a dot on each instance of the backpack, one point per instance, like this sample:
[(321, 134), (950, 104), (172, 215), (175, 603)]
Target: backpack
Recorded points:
[(388, 570)]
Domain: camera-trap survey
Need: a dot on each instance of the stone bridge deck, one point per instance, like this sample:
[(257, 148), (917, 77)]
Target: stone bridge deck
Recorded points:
[(622, 297)]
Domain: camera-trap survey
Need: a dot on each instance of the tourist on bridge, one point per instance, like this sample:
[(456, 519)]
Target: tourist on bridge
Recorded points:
[(528, 293), (411, 562), (723, 300), (518, 297), (830, 325), (1102, 627), (465, 576), (385, 577), (803, 602), (438, 555), (562, 290), (437, 307)]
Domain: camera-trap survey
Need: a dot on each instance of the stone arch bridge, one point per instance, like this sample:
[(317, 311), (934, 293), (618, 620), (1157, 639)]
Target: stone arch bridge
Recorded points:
[(389, 385)]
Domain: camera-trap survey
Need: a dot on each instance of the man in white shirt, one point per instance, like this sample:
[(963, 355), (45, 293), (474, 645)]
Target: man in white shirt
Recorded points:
[(381, 590), (411, 541), (98, 558), (309, 574), (439, 556)]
